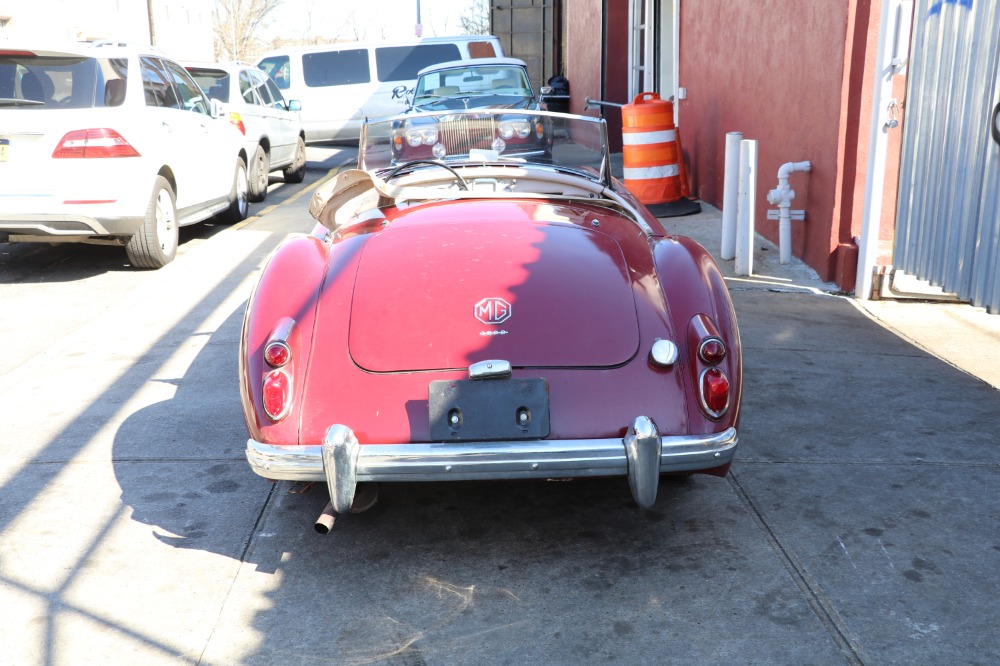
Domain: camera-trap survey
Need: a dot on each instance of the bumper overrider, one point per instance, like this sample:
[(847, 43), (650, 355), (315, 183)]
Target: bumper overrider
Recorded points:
[(641, 456)]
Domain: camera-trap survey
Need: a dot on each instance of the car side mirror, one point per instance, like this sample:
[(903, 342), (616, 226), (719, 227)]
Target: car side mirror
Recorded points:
[(294, 105), (217, 109), (546, 90)]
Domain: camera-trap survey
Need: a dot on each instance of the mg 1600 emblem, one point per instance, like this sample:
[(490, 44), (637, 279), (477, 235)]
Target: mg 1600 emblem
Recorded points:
[(492, 311)]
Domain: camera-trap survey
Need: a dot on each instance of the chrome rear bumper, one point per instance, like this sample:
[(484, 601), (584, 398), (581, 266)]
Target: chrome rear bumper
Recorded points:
[(343, 463)]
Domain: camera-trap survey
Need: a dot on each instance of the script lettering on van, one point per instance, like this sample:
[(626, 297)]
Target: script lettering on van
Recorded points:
[(400, 92)]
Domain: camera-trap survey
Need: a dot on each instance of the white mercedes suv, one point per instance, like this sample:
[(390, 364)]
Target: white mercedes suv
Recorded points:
[(115, 144)]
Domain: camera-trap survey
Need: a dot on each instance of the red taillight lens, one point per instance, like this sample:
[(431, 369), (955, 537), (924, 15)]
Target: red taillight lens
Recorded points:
[(277, 354), (714, 391), (712, 351), (277, 394), (236, 120), (94, 143)]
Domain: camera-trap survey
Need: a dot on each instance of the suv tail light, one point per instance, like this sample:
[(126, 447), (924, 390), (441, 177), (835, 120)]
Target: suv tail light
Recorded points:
[(236, 120), (94, 143)]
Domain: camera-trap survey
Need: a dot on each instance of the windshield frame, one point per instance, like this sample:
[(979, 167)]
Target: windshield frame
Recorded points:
[(574, 132)]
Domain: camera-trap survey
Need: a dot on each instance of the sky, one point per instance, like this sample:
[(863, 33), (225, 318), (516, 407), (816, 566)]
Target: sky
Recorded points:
[(371, 20)]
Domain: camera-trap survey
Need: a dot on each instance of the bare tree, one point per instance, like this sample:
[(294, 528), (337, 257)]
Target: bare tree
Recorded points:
[(237, 24), (475, 20)]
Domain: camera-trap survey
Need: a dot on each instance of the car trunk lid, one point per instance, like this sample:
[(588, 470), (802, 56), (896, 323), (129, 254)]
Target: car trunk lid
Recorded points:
[(436, 296)]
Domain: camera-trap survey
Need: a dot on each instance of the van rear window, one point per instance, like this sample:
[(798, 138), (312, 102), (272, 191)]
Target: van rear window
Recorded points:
[(401, 63), (336, 68)]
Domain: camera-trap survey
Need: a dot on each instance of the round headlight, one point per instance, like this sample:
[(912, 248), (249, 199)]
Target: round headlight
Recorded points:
[(413, 138), (499, 144), (523, 129), (439, 151), (506, 130)]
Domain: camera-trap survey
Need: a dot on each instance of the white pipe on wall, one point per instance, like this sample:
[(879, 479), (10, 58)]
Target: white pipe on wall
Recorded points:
[(730, 188), (747, 205), (782, 197)]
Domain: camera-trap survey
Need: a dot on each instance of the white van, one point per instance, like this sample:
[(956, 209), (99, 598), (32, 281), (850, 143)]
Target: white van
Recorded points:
[(340, 85)]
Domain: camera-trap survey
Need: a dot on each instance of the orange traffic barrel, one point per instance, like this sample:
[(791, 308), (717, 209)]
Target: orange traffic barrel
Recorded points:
[(650, 154)]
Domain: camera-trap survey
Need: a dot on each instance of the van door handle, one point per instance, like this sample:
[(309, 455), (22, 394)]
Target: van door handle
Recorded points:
[(995, 124)]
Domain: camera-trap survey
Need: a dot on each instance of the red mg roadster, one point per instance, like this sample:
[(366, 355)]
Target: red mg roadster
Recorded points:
[(482, 316)]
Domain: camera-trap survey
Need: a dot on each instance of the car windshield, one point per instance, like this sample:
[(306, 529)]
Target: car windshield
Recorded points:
[(476, 136), (28, 81), (473, 80)]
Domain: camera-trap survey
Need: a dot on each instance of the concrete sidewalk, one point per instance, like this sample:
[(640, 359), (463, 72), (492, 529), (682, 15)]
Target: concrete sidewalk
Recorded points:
[(964, 336)]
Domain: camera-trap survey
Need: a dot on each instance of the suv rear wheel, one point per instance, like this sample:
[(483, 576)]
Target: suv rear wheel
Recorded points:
[(239, 204), (260, 168), (155, 244), (296, 171)]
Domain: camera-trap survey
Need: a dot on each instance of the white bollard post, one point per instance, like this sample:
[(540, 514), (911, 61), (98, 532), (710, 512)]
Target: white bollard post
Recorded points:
[(730, 187), (747, 205)]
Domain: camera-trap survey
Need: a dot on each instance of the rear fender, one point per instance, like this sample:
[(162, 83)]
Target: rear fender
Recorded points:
[(692, 285), (288, 288)]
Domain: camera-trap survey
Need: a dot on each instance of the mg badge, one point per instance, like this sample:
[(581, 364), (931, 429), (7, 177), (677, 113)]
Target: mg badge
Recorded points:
[(492, 311)]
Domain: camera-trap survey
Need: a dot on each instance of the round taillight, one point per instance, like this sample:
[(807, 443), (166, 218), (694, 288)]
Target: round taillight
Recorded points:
[(712, 351), (277, 354), (277, 394), (714, 392)]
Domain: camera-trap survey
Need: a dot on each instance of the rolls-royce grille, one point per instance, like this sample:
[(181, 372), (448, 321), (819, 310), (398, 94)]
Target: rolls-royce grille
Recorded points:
[(463, 134)]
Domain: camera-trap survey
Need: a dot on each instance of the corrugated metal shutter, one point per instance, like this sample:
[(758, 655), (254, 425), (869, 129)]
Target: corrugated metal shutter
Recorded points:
[(948, 217)]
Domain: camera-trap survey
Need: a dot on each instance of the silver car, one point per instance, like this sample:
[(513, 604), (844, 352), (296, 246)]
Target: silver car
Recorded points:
[(275, 140)]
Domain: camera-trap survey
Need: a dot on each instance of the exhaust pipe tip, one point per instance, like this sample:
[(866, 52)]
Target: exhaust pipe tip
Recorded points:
[(325, 522), (364, 499)]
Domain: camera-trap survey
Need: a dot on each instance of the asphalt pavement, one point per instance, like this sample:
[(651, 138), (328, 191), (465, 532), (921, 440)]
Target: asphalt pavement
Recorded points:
[(858, 524)]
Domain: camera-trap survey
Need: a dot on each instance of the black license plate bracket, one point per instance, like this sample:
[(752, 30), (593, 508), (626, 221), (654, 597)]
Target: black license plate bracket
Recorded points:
[(488, 409)]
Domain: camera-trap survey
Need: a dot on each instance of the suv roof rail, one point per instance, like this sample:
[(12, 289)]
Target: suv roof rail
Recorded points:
[(115, 43)]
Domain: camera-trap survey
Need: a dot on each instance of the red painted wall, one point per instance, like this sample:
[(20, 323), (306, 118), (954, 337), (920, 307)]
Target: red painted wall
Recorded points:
[(792, 77), (796, 77), (582, 62)]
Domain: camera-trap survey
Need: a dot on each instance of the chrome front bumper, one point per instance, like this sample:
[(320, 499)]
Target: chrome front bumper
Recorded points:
[(642, 455)]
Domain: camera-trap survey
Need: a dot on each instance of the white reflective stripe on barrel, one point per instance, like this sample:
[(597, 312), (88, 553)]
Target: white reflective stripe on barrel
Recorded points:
[(644, 173), (642, 138)]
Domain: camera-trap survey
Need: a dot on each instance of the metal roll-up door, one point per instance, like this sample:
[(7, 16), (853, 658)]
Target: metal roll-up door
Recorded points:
[(948, 215)]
